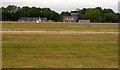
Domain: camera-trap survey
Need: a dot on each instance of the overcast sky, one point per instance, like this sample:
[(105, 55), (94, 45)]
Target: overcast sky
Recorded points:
[(63, 5)]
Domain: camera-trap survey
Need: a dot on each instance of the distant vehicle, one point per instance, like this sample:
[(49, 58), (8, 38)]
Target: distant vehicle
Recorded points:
[(39, 20)]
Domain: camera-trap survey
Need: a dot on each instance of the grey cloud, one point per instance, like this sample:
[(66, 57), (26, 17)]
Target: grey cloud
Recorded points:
[(63, 5)]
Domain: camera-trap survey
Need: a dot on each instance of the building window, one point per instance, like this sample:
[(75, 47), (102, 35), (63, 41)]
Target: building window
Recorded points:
[(71, 18), (67, 18)]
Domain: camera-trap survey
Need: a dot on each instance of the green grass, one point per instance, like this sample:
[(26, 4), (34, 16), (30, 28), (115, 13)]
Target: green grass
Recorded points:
[(56, 50), (58, 27)]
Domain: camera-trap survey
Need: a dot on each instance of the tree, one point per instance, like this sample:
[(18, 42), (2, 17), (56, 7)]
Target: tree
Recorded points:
[(46, 13), (33, 12), (24, 11), (5, 14), (12, 8), (108, 11), (110, 17), (97, 14), (84, 11), (118, 20), (94, 14), (65, 13)]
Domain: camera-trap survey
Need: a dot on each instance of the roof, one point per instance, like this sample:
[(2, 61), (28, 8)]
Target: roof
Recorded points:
[(74, 11)]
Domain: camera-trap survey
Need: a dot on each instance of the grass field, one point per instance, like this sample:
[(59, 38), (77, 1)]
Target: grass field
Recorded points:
[(59, 50), (59, 27)]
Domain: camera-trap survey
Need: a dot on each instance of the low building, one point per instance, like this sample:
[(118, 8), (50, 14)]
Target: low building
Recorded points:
[(32, 19), (84, 21), (43, 19), (51, 21), (28, 19), (69, 18)]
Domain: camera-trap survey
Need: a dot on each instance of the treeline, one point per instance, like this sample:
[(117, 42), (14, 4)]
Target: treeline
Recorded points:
[(13, 13), (97, 14)]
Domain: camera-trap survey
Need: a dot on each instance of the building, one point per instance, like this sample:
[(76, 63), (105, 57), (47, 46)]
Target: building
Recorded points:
[(84, 21), (51, 21), (72, 18), (69, 18), (43, 19), (28, 19), (32, 19), (74, 13)]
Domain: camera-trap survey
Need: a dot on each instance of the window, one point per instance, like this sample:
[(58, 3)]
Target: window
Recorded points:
[(71, 18), (67, 18)]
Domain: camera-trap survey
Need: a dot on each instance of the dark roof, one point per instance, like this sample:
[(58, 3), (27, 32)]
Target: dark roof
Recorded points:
[(74, 11)]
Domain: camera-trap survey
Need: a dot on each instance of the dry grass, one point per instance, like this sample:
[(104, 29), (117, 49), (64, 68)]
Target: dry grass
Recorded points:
[(58, 50), (58, 27)]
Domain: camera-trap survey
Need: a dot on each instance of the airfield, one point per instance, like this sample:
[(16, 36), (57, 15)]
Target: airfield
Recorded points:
[(60, 45)]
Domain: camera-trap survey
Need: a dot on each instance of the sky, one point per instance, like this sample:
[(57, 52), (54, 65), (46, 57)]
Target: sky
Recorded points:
[(63, 5)]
